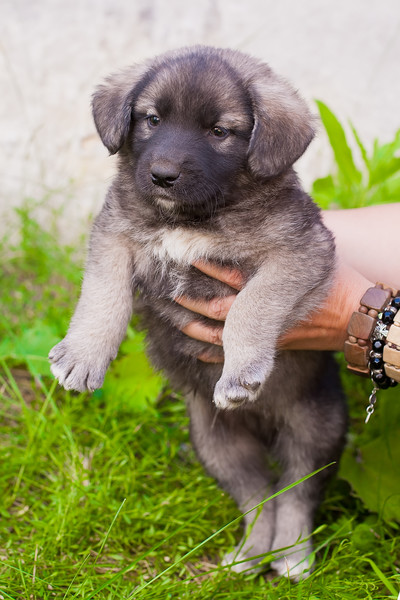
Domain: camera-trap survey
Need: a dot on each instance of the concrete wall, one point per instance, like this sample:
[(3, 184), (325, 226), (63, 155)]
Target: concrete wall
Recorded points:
[(54, 52)]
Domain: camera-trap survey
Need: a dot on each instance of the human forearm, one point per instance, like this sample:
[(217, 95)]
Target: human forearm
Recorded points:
[(366, 239)]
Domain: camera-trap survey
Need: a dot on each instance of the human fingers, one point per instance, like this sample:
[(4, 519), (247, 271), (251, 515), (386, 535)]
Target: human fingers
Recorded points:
[(215, 355), (204, 333), (216, 308), (231, 277)]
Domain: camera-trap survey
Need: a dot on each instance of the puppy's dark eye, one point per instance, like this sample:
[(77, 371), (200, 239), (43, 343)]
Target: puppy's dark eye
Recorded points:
[(153, 120), (219, 132)]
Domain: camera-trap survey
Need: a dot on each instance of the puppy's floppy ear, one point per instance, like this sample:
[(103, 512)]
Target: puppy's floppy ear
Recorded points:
[(283, 125), (112, 106)]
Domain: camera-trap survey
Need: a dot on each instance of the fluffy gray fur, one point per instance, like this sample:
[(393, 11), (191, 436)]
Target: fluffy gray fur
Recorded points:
[(206, 140)]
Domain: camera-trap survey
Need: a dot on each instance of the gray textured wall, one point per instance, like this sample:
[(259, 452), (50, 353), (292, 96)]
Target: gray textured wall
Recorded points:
[(53, 53)]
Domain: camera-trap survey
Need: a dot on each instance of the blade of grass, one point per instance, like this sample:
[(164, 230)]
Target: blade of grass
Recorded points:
[(76, 575), (90, 571), (35, 564), (12, 382), (7, 595), (21, 572), (382, 577)]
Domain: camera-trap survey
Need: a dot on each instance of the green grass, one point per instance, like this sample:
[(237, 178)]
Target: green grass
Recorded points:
[(102, 495), (98, 499)]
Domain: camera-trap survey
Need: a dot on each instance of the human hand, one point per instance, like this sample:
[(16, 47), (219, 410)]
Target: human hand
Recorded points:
[(216, 309), (325, 329)]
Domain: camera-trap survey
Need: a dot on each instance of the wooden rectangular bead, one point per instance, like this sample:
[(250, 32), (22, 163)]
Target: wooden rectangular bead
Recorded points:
[(394, 335), (391, 355), (363, 371), (393, 372), (391, 290), (397, 317), (361, 325), (375, 298), (355, 355)]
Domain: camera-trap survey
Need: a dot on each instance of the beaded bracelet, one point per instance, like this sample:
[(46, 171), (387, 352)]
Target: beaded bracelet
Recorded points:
[(391, 351), (373, 345), (382, 336)]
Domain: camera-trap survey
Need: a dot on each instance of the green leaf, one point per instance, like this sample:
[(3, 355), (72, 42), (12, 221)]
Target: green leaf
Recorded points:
[(386, 191), (373, 474), (370, 462), (324, 191), (131, 377), (344, 159), (361, 147), (31, 347), (385, 161)]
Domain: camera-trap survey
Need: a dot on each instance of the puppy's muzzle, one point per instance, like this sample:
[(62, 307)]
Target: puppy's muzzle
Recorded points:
[(164, 174)]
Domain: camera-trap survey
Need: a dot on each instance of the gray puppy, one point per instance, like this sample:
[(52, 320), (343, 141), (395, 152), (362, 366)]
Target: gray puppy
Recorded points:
[(206, 140)]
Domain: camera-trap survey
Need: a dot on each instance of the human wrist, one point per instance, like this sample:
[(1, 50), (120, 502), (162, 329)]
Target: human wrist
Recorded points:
[(326, 326), (348, 287)]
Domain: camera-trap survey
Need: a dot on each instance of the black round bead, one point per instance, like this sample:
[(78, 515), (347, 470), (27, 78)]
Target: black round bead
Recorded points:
[(393, 383), (396, 302), (378, 345), (387, 316), (378, 377), (381, 380), (376, 362), (384, 384)]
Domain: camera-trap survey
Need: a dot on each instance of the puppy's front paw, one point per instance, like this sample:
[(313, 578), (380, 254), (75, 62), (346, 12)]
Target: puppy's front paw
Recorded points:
[(232, 391), (78, 368)]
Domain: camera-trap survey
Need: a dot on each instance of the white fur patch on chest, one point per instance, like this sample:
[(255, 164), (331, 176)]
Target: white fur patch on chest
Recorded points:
[(182, 245)]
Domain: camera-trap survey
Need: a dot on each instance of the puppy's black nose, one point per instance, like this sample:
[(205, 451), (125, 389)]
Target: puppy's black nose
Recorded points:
[(164, 175)]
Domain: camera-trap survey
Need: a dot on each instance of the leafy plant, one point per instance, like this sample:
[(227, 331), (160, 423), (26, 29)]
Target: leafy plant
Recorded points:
[(351, 187), (371, 458)]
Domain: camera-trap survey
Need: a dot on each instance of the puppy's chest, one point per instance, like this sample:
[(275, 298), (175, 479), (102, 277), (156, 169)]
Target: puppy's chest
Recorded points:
[(164, 263), (183, 246)]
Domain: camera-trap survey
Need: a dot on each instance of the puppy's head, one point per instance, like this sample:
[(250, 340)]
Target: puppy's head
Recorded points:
[(189, 122)]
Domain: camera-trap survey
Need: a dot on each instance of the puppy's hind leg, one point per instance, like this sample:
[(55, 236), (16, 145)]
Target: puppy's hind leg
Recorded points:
[(236, 458), (294, 523), (306, 444)]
